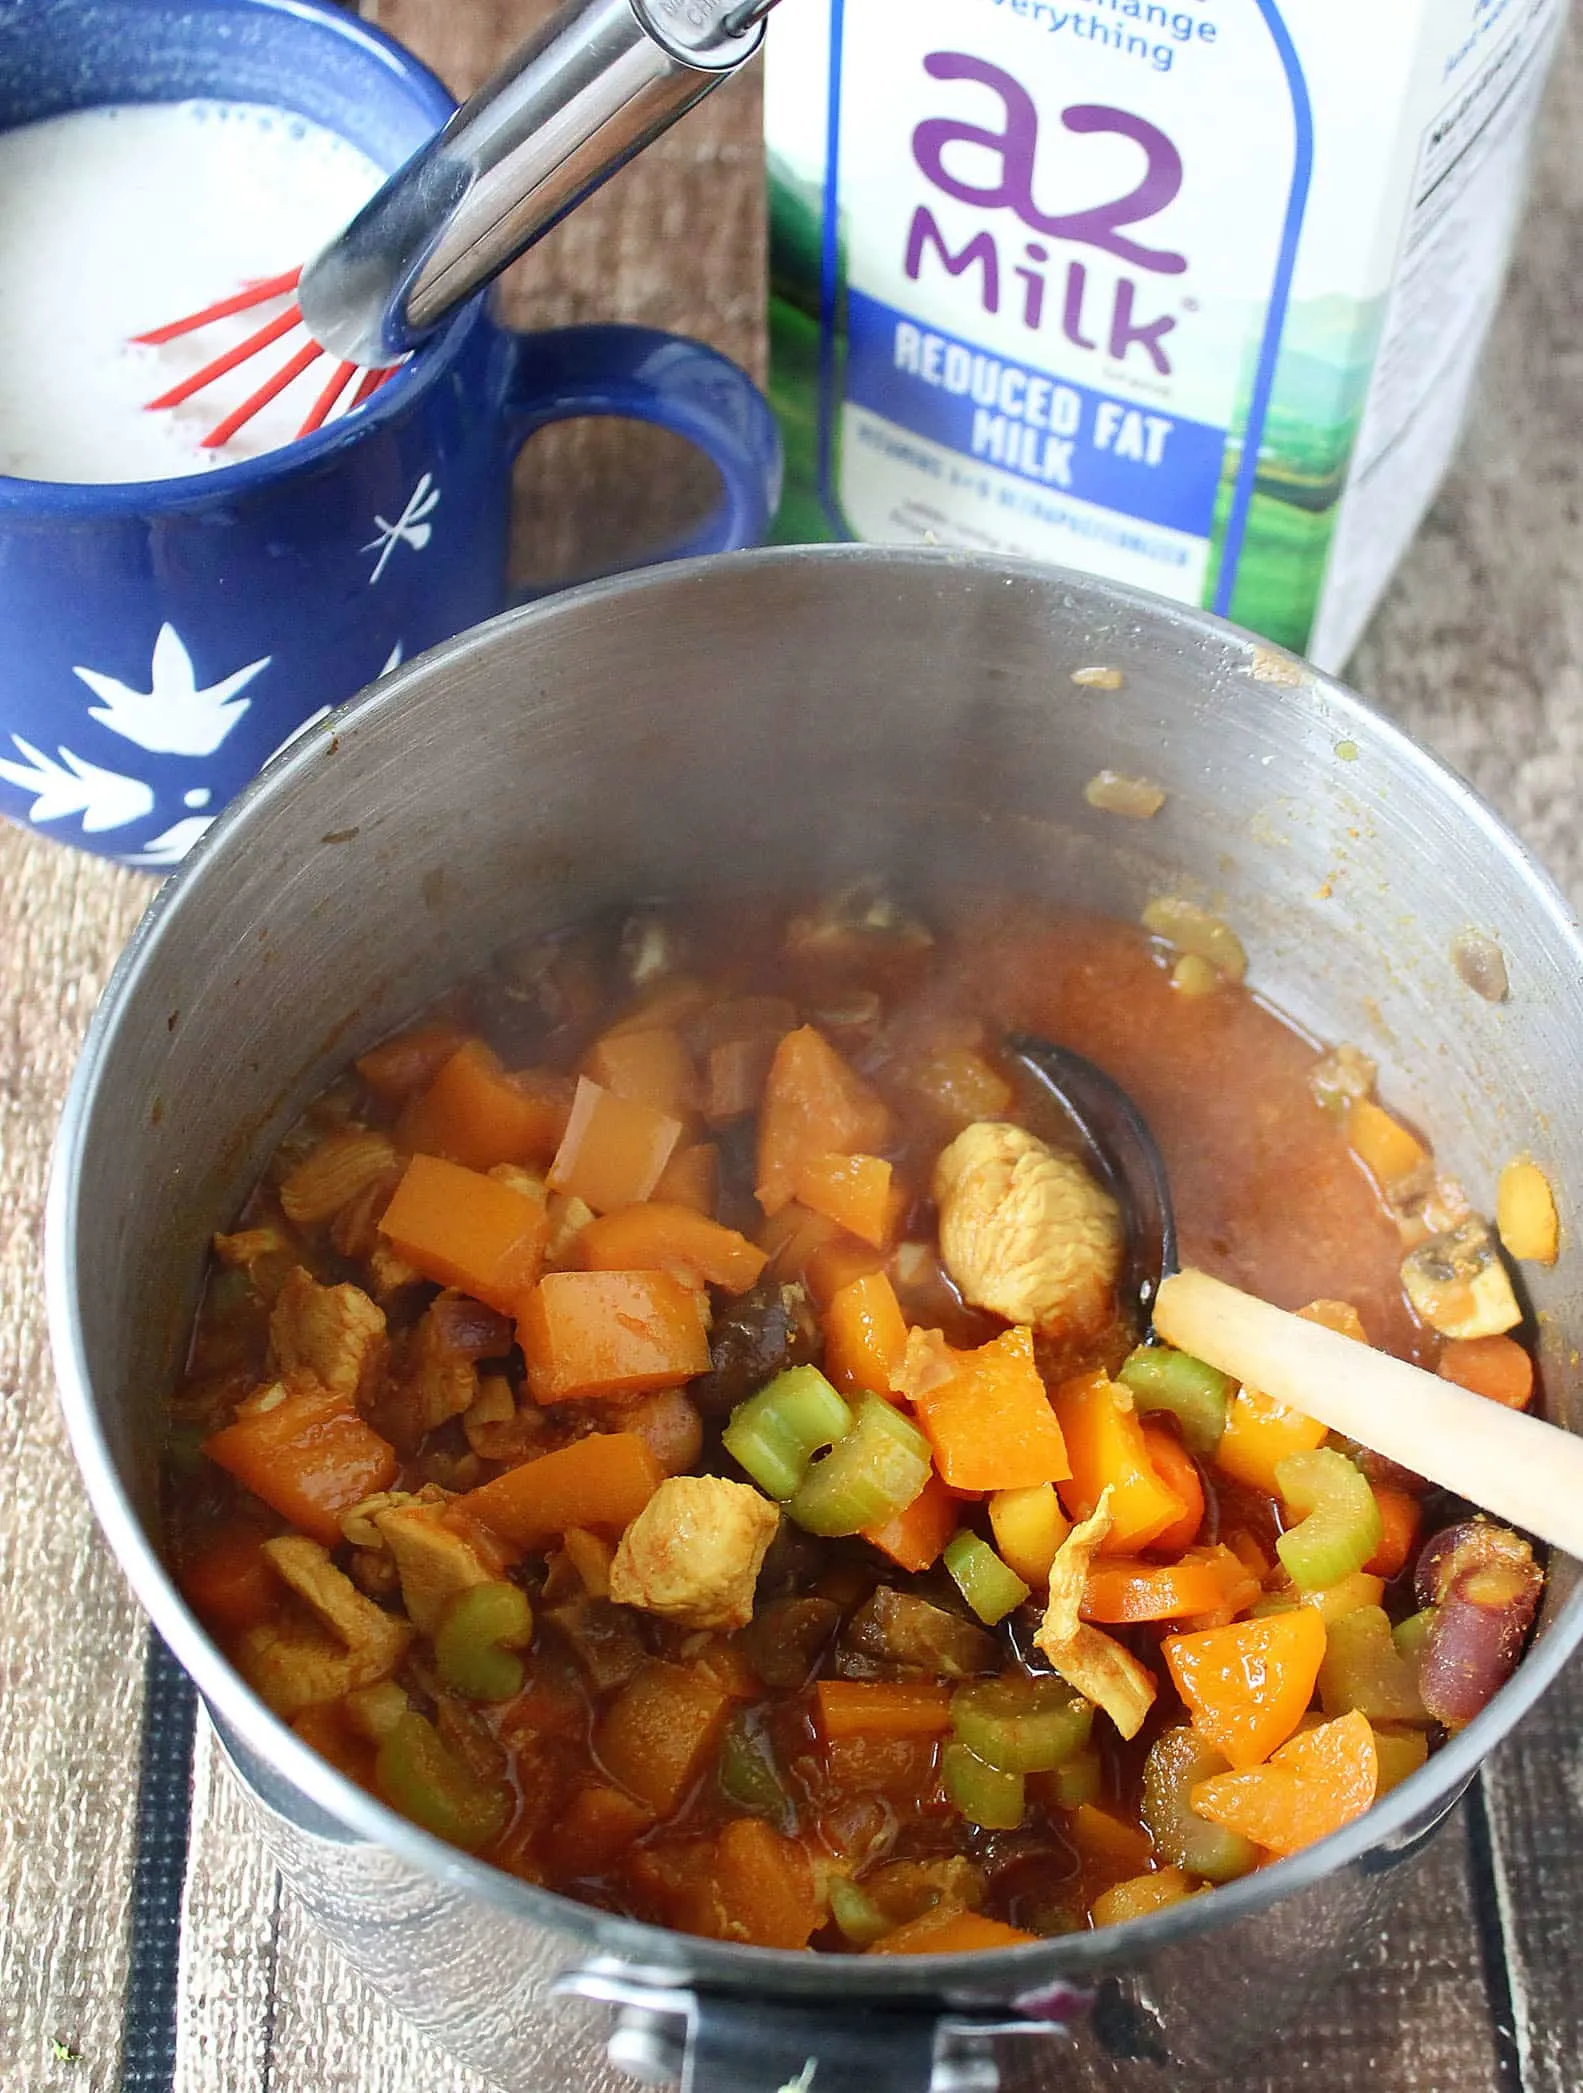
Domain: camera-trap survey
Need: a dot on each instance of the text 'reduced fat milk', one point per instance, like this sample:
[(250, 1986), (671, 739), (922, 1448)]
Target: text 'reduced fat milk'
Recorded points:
[(1187, 293)]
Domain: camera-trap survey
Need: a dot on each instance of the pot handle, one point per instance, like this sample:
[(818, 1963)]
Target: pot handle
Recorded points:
[(714, 2044)]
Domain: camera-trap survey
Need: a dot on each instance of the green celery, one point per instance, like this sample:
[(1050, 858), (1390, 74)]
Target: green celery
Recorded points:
[(989, 1587), (982, 1793), (1196, 1394), (419, 1774), (748, 1775), (1412, 1635), (867, 1477), (1338, 1525), (1177, 1760), (776, 1433), (475, 1640), (1020, 1724), (1078, 1781), (1364, 1671)]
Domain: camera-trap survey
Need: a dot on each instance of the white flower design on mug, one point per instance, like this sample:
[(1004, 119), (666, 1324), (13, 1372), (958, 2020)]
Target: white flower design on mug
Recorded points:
[(411, 527), (175, 716)]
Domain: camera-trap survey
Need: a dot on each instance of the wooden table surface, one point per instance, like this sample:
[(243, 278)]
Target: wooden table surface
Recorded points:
[(1472, 1986)]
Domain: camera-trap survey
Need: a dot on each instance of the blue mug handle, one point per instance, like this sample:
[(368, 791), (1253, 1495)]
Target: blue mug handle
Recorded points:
[(642, 374)]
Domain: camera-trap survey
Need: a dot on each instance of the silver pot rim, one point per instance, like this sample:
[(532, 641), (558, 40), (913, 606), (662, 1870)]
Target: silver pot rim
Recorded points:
[(666, 1955)]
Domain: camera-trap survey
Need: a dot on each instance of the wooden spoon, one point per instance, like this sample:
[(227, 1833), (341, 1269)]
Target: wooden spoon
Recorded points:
[(1514, 1465)]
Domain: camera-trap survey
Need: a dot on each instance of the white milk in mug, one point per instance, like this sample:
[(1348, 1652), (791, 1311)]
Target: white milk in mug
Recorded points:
[(1187, 293)]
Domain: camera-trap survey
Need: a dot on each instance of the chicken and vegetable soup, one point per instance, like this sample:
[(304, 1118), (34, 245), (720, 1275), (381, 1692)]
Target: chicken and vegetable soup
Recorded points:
[(669, 1423)]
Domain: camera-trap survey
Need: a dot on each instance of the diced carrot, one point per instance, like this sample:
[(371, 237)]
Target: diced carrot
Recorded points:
[(1100, 1836), (692, 1177), (310, 1457), (835, 1263), (474, 1113), (865, 1335), (655, 1237), (878, 1707), (460, 1228), (853, 1191), (1107, 1450), (1140, 1894), (991, 1424), (1248, 1685), (794, 1237), (410, 1061), (610, 1333), (734, 1077), (1176, 1468), (1496, 1367), (651, 1067), (614, 1150), (1261, 1432), (813, 1103), (958, 1933), (1391, 1155), (604, 1480), (228, 1582), (761, 1887), (1313, 1786), (1119, 1592), (659, 1732), (596, 1827), (1399, 1515), (915, 1537), (1029, 1527)]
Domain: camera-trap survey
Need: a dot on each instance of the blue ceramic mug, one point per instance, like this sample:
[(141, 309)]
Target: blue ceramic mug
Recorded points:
[(163, 639)]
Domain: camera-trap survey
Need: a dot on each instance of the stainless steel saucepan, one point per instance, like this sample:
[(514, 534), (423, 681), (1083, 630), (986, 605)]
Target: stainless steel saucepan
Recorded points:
[(791, 716)]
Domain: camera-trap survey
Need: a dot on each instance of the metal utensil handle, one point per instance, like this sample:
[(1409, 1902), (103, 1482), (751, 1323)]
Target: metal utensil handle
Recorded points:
[(599, 82)]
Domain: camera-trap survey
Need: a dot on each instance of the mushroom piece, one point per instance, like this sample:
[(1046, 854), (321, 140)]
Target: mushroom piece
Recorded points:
[(1458, 1285), (1026, 1232)]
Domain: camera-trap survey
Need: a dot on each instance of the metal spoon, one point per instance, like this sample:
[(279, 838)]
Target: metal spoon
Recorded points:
[(1123, 1155)]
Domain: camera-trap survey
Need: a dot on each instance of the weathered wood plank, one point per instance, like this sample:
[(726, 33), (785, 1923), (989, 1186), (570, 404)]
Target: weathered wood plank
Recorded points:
[(71, 1639), (1534, 1799)]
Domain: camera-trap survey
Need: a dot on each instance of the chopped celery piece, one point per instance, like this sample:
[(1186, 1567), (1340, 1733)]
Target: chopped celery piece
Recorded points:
[(982, 1793), (1177, 1760), (1022, 1725), (1338, 1520), (1412, 1635), (988, 1586), (474, 1643), (1075, 1783), (856, 1914), (749, 1777), (776, 1433), (419, 1774), (1196, 1394), (1364, 1671), (867, 1477), (1398, 1753)]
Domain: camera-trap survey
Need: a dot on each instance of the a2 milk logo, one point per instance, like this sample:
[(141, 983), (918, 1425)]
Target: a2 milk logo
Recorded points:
[(1057, 364), (1068, 303)]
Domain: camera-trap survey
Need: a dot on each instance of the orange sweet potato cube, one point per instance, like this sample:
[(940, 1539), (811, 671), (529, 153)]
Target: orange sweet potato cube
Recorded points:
[(813, 1104), (475, 1114), (610, 1334), (614, 1150), (460, 1228)]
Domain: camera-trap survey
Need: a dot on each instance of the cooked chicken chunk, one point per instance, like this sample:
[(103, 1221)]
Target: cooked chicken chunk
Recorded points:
[(693, 1554), (349, 1642), (435, 1564), (335, 1333), (1025, 1232)]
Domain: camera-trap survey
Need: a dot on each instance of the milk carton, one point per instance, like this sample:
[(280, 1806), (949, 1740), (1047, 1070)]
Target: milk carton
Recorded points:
[(1187, 293)]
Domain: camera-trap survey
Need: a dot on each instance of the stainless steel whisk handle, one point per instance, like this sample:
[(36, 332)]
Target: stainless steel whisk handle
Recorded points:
[(599, 82)]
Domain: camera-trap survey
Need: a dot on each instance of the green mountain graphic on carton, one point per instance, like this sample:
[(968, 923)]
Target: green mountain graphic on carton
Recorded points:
[(1322, 374)]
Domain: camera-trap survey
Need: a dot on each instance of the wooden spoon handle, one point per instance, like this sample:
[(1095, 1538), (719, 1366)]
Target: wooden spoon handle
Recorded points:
[(1516, 1466)]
